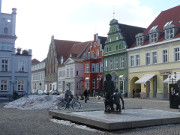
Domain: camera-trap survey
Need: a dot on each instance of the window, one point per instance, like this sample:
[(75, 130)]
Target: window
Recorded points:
[(147, 58), (21, 66), (165, 56), (105, 64), (109, 48), (116, 48), (117, 38), (71, 72), (97, 67), (137, 60), (110, 40), (86, 68), (131, 61), (92, 54), (3, 85), (77, 73), (176, 54), (101, 67), (153, 37), (169, 33), (110, 64), (5, 30), (20, 85), (97, 53), (154, 57), (67, 74), (121, 62), (93, 67), (4, 66), (95, 44), (116, 62), (139, 41), (93, 83)]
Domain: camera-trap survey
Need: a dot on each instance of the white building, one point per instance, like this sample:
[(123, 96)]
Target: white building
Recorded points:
[(70, 76), (15, 67), (38, 75)]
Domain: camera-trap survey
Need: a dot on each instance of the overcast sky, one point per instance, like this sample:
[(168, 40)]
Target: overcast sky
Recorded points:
[(78, 20)]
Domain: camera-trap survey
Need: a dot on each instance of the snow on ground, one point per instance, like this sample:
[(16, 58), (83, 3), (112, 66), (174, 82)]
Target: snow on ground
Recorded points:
[(32, 102), (68, 123)]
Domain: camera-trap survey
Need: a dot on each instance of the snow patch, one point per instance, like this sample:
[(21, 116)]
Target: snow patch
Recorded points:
[(33, 102)]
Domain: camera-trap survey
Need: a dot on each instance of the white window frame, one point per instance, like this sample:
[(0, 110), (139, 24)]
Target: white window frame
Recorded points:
[(164, 56), (97, 52), (122, 62), (148, 58), (93, 67), (4, 65), (110, 64), (20, 85), (116, 63), (4, 85), (92, 54), (169, 33), (21, 66), (97, 67), (101, 67), (132, 61), (139, 41), (153, 37), (137, 59), (71, 72), (86, 68), (154, 57), (177, 54)]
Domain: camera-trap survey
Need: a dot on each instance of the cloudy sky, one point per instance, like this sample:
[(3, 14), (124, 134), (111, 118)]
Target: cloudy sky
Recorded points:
[(78, 20)]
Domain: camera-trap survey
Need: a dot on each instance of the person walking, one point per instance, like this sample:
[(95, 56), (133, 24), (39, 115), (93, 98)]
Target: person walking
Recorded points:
[(85, 93)]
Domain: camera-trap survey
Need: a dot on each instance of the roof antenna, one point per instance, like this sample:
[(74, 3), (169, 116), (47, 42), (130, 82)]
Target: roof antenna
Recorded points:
[(113, 12)]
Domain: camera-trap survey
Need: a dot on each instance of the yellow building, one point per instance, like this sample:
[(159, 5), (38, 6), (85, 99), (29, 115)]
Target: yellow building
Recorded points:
[(154, 56)]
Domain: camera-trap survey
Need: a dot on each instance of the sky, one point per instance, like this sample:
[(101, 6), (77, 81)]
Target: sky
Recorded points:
[(76, 20)]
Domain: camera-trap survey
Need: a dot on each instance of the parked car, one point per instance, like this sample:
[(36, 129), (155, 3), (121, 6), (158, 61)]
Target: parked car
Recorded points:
[(40, 92), (46, 92), (54, 92), (34, 92)]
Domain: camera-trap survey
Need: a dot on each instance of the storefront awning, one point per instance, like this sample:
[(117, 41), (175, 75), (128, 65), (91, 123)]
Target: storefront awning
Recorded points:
[(145, 78), (173, 79)]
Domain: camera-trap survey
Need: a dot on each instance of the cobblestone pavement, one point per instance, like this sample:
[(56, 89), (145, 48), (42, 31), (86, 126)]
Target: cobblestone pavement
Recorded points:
[(37, 122)]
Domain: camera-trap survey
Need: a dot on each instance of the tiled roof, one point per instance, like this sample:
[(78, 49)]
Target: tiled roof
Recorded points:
[(34, 61), (171, 14), (63, 48), (129, 33), (79, 49)]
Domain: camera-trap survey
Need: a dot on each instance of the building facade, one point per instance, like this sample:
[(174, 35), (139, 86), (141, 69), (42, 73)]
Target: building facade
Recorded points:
[(38, 75), (120, 37), (70, 72), (15, 64), (93, 65), (155, 55)]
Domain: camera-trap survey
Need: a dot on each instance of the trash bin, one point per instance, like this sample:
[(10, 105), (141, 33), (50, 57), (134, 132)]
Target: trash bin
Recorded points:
[(174, 96)]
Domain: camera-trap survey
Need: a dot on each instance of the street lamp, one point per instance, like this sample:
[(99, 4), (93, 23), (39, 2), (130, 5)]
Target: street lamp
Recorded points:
[(171, 78)]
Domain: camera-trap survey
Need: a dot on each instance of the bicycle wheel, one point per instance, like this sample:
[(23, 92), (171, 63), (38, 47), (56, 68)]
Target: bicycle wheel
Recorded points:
[(62, 105), (76, 105)]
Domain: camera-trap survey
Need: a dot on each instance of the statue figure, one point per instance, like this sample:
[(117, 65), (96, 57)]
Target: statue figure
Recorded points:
[(111, 96)]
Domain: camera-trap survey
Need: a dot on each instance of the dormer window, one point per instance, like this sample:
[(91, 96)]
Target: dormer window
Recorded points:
[(153, 37), (169, 33), (139, 41), (168, 23)]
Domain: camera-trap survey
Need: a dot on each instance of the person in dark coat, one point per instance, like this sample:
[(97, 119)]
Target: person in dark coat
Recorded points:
[(108, 89), (85, 96)]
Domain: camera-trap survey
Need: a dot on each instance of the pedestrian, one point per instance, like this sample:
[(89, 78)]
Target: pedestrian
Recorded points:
[(85, 93), (133, 92), (68, 97)]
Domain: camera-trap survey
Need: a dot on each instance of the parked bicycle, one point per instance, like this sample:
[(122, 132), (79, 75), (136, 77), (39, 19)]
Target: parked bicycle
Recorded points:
[(73, 104)]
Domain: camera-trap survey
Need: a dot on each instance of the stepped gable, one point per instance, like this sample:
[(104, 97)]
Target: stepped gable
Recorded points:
[(35, 61), (63, 48), (79, 49), (129, 33)]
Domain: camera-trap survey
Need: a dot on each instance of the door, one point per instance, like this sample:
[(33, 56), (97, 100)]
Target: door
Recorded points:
[(166, 95), (148, 88), (155, 86)]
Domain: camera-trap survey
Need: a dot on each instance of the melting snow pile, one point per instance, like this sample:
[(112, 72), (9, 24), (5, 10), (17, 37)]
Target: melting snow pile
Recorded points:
[(32, 102)]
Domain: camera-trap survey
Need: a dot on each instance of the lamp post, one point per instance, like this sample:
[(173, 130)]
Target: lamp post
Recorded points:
[(171, 79)]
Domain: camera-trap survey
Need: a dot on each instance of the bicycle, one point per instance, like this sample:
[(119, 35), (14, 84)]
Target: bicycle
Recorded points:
[(73, 104)]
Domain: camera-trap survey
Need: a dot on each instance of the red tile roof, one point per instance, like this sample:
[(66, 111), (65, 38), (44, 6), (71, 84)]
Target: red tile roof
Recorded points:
[(171, 14), (35, 61)]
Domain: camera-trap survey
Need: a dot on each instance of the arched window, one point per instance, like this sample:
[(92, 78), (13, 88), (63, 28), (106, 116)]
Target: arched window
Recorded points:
[(5, 30)]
